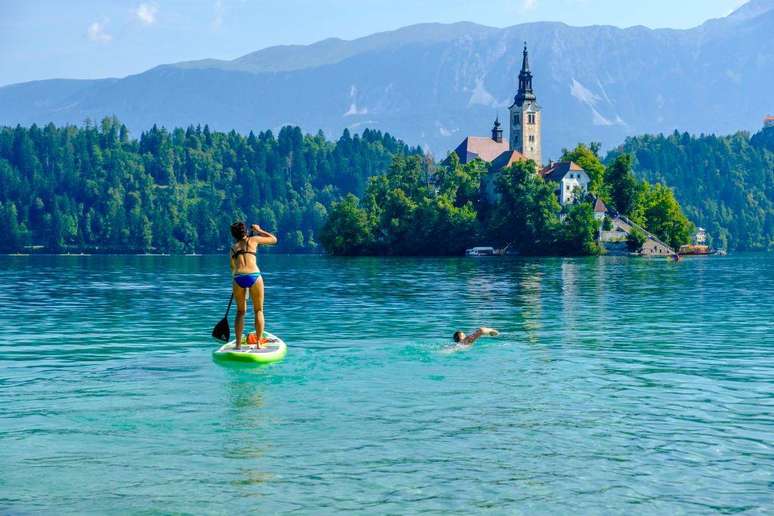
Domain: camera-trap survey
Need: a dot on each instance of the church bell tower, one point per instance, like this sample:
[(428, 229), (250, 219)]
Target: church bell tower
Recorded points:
[(526, 122)]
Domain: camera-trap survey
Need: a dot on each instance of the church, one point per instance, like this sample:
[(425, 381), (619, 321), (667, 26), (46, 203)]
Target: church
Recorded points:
[(524, 142)]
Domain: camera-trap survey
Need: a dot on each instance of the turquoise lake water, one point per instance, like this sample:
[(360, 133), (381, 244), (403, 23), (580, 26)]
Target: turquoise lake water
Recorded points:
[(618, 385)]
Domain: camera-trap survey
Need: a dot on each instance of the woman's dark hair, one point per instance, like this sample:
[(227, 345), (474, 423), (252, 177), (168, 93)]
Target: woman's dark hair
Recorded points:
[(457, 336), (238, 230)]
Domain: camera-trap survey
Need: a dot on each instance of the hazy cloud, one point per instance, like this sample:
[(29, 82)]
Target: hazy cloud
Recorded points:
[(528, 4), (97, 32), (146, 13), (217, 20)]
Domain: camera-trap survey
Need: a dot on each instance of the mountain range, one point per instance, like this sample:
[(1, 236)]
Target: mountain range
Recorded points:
[(433, 84)]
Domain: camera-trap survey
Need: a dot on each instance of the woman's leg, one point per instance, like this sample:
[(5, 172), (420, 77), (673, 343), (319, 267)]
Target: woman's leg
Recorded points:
[(240, 296), (256, 292)]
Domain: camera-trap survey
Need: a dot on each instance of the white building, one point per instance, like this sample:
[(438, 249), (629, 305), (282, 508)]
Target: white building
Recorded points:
[(573, 181), (700, 237)]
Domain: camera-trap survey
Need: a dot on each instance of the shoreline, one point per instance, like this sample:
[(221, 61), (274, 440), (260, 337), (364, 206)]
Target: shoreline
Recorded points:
[(414, 256)]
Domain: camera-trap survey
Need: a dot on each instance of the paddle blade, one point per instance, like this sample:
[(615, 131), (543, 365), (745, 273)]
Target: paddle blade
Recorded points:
[(221, 330)]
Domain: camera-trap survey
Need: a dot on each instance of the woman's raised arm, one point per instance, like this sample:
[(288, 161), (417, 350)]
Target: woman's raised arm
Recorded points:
[(263, 237)]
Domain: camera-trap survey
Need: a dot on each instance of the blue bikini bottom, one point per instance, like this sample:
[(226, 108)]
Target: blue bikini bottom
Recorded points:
[(247, 280)]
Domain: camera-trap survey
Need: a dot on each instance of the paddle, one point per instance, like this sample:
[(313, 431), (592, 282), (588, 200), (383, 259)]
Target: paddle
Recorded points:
[(221, 330)]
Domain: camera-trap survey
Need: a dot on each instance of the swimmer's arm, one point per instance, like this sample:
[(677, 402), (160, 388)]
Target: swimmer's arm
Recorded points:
[(473, 337)]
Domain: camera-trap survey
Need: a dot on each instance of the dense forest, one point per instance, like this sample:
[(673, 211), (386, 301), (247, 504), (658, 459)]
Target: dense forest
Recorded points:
[(419, 208), (94, 189), (724, 183)]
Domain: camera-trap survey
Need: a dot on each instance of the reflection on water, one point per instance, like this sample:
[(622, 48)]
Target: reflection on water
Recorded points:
[(618, 385)]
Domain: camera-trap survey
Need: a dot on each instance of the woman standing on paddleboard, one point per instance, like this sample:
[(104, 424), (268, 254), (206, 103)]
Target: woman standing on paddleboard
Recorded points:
[(247, 276)]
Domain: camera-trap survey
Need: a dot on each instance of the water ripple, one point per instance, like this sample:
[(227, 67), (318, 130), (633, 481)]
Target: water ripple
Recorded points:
[(617, 386)]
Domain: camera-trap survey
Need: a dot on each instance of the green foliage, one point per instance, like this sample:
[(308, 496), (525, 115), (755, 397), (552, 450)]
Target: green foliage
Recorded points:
[(764, 139), (635, 240), (347, 231), (443, 228), (411, 216), (461, 182), (579, 230), (724, 183), (526, 214), (660, 213), (417, 210), (94, 189), (408, 212), (622, 185), (12, 233)]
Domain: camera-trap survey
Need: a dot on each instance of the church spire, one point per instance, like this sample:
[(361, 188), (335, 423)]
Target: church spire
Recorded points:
[(525, 60), (525, 80), (497, 132)]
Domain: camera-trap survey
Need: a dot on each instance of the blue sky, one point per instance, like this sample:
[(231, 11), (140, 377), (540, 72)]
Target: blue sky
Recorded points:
[(41, 39)]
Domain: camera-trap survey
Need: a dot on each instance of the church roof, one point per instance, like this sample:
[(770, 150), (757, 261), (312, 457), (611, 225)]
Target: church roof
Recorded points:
[(599, 206), (507, 159), (482, 147), (558, 170)]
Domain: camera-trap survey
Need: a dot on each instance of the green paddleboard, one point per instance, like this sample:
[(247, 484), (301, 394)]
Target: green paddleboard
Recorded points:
[(272, 351)]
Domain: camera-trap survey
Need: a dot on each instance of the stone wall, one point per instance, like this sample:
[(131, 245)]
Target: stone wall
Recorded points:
[(612, 240), (619, 233)]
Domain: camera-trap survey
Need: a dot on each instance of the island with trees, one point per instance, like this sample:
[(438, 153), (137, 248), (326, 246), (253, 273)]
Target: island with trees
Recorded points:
[(422, 208)]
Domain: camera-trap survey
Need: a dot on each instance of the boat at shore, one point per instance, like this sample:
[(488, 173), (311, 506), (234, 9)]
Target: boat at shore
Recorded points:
[(690, 249), (699, 250), (480, 251)]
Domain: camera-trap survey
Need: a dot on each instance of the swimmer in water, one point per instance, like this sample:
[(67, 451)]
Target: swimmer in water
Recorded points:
[(467, 340)]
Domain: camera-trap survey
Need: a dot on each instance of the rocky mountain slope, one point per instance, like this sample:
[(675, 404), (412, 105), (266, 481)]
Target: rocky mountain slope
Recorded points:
[(432, 84)]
